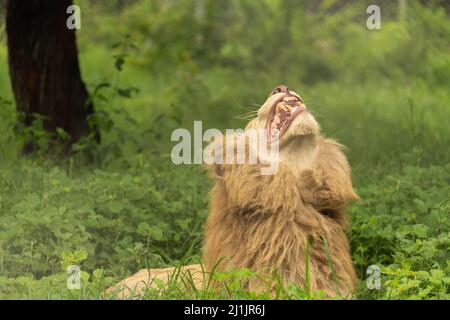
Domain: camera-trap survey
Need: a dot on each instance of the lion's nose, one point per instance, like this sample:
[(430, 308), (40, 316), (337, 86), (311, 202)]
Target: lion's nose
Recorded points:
[(280, 88)]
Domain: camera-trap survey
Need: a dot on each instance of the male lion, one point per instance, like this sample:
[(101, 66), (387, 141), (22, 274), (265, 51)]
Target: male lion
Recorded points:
[(292, 222)]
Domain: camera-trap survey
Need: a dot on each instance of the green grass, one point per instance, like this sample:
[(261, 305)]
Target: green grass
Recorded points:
[(130, 208)]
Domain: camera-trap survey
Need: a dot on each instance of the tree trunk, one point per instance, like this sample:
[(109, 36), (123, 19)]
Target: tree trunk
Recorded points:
[(44, 68)]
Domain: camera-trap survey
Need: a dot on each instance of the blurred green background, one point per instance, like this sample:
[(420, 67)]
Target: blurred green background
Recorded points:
[(152, 66)]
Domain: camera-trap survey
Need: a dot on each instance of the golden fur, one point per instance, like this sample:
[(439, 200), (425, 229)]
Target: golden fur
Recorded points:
[(145, 279), (263, 222), (266, 222)]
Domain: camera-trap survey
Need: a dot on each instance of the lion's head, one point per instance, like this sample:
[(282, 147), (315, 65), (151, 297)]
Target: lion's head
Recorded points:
[(285, 117)]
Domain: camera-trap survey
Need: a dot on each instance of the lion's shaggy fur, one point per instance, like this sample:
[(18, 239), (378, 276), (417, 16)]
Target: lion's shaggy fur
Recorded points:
[(269, 223), (264, 222)]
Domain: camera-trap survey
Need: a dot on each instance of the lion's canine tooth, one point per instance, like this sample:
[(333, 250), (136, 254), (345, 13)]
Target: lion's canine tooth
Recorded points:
[(281, 107)]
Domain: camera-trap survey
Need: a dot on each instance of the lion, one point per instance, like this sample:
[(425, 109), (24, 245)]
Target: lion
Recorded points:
[(291, 223)]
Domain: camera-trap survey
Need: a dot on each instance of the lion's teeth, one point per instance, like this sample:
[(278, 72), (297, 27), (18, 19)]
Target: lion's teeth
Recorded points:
[(282, 107)]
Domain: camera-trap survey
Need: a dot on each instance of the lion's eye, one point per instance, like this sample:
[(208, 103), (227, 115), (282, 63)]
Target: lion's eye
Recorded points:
[(327, 212)]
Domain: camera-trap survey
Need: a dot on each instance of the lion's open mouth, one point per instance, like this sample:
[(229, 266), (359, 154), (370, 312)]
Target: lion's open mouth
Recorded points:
[(285, 110)]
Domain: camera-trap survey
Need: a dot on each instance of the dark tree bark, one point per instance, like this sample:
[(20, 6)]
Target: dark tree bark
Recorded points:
[(44, 69)]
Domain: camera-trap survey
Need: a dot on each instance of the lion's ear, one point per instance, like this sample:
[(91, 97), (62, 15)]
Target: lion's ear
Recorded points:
[(213, 157), (333, 175), (328, 186), (347, 194), (352, 196), (216, 170), (336, 189)]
